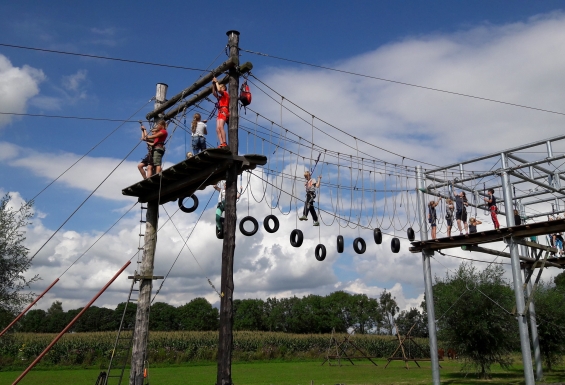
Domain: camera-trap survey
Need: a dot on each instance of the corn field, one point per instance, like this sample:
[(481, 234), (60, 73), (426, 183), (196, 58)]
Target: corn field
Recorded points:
[(87, 349)]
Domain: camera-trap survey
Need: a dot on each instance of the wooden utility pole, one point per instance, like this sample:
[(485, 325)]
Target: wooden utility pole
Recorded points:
[(145, 276), (227, 287)]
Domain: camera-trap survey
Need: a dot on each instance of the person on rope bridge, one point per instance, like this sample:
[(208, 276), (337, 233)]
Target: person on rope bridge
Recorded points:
[(449, 209), (219, 91), (158, 136), (517, 218), (473, 223), (432, 216), (311, 185), (461, 211), (199, 133), (221, 188), (147, 161), (491, 202)]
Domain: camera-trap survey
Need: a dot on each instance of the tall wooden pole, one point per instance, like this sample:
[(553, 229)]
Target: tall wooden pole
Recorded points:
[(227, 287), (141, 331)]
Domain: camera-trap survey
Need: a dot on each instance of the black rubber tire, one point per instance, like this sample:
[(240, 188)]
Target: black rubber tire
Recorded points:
[(410, 234), (395, 245), (320, 249), (378, 236), (255, 226), (296, 238), (357, 242), (340, 243), (276, 224), (185, 209)]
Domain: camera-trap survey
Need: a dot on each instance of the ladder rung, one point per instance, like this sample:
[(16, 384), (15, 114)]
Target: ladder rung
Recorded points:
[(142, 221), (141, 235), (140, 248), (143, 208)]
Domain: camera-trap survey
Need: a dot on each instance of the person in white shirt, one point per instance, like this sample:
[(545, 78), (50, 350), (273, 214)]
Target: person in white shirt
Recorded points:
[(199, 133), (311, 185)]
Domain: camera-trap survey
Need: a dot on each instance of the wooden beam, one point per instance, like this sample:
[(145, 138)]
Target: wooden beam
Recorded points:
[(535, 245), (507, 255), (201, 82)]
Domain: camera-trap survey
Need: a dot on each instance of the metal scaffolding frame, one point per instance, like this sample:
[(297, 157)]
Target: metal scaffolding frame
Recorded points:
[(535, 170)]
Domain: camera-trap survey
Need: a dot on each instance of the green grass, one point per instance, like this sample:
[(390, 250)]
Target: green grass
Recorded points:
[(292, 373)]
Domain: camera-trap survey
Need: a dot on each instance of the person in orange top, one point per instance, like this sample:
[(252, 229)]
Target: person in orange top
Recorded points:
[(219, 91), (158, 137)]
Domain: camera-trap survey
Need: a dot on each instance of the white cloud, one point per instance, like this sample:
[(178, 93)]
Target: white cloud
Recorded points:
[(17, 87), (74, 82)]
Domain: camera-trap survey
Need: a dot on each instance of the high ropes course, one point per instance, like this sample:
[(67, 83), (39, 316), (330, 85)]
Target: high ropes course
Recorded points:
[(296, 164)]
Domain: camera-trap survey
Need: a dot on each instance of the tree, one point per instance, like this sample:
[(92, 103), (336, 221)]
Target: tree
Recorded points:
[(473, 316), (198, 314), (14, 259), (338, 305), (389, 308), (34, 322), (365, 313), (408, 318), (163, 317), (249, 314)]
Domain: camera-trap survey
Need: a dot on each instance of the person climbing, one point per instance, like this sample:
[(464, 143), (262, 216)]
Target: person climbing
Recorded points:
[(558, 242), (221, 188), (311, 185), (432, 216), (158, 136), (199, 133), (147, 161), (473, 223), (449, 209), (491, 203), (219, 91), (461, 211)]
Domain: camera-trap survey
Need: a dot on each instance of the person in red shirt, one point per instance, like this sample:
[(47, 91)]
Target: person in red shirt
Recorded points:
[(219, 91), (158, 137)]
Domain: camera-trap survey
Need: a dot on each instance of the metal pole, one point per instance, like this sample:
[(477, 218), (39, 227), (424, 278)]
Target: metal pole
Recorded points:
[(533, 322), (27, 308), (517, 278), (426, 255), (66, 329), (141, 330), (225, 343)]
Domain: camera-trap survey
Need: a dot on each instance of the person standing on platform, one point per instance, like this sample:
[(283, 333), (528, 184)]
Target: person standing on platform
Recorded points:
[(311, 185), (147, 161), (461, 211), (491, 202), (199, 133), (432, 216), (473, 223), (158, 136), (219, 91)]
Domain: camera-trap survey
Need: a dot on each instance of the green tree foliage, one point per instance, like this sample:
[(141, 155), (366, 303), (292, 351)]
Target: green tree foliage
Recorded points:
[(550, 314), (198, 315), (559, 281), (14, 259), (389, 309), (129, 318), (365, 313), (249, 314), (478, 328), (34, 322), (163, 317), (412, 319)]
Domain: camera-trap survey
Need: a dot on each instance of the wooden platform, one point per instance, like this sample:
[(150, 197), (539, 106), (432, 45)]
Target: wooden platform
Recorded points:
[(522, 231), (184, 178)]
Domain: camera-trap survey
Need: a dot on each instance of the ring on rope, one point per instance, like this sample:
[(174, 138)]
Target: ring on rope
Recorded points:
[(340, 243), (296, 238), (410, 233), (255, 226), (266, 225), (356, 243), (378, 236), (395, 245), (320, 252), (190, 209)]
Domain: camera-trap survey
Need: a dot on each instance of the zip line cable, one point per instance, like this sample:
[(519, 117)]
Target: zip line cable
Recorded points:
[(404, 83)]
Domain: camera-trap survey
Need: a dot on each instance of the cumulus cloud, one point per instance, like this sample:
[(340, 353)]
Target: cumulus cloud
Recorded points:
[(17, 87)]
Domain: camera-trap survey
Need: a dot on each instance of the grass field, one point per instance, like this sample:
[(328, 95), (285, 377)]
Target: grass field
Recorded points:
[(293, 373)]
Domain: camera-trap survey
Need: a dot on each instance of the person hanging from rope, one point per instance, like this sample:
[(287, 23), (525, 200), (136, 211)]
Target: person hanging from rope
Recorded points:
[(219, 91), (473, 223), (220, 208), (311, 185), (158, 136), (147, 161), (491, 203), (449, 209), (461, 211), (199, 132), (432, 216)]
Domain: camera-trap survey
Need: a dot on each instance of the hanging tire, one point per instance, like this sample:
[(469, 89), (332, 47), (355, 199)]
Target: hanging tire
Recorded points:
[(395, 245), (359, 245), (378, 236), (340, 243), (266, 225), (255, 226), (320, 252), (410, 233), (185, 209), (296, 238)]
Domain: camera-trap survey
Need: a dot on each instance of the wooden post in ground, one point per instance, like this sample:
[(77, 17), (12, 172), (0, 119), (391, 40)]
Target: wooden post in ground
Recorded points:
[(141, 331), (227, 287)]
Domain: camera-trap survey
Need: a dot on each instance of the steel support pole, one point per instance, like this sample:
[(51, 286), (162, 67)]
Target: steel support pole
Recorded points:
[(517, 277), (533, 322), (426, 255)]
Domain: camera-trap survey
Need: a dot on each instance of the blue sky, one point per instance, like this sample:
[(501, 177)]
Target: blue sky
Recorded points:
[(501, 50)]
